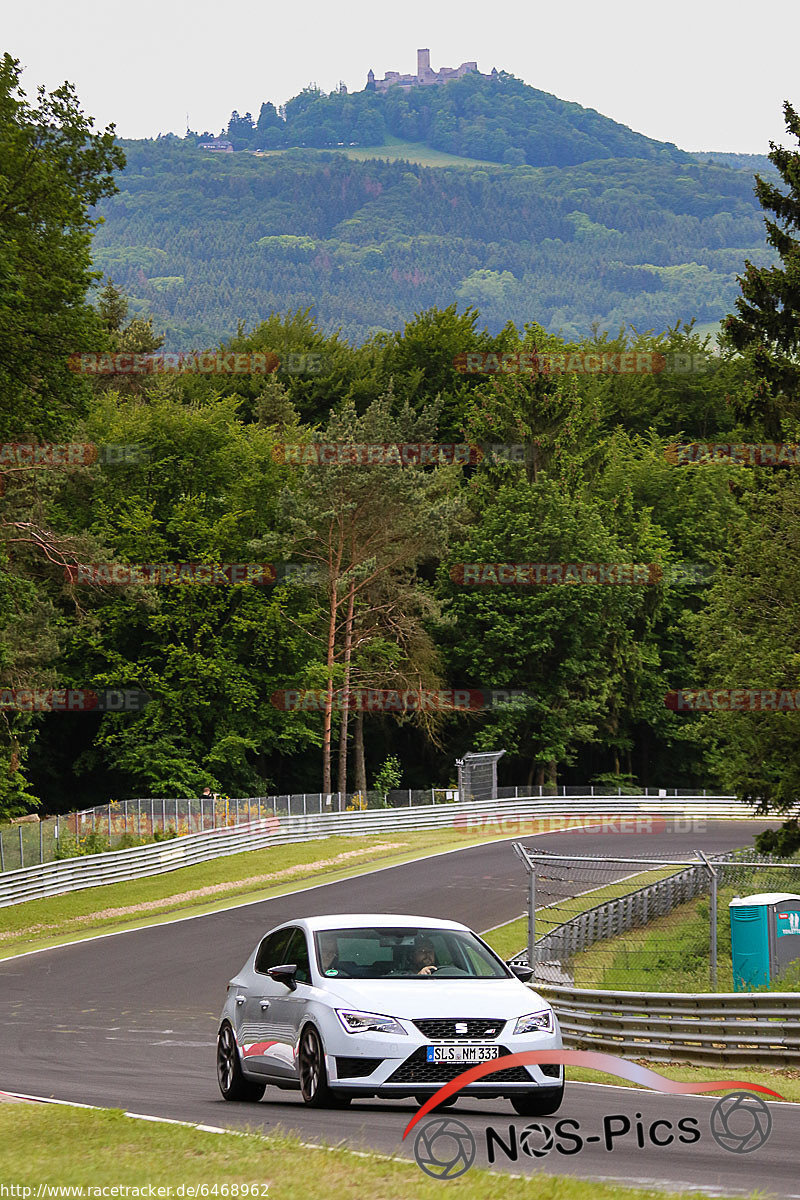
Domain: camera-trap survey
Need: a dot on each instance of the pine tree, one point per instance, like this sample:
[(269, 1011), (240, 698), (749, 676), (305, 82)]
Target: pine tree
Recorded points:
[(767, 328)]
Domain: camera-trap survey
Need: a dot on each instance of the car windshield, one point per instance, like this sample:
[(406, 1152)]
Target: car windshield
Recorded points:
[(404, 953)]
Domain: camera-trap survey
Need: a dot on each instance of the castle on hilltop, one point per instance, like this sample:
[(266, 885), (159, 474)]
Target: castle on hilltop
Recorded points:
[(425, 76)]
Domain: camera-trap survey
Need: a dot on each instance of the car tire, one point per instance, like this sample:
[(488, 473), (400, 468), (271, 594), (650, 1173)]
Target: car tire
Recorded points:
[(230, 1077), (541, 1103), (314, 1086)]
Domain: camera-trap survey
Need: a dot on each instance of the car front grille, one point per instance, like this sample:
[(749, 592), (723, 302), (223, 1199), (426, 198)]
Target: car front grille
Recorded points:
[(355, 1068), (417, 1069), (460, 1028)]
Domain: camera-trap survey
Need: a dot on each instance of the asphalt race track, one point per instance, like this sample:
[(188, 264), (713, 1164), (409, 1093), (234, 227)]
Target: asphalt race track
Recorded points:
[(129, 1021)]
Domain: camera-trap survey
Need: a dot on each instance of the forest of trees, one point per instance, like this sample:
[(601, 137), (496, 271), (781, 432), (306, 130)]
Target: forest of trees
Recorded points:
[(206, 241), (208, 482)]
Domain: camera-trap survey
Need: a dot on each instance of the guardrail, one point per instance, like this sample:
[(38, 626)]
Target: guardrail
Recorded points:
[(193, 815), (520, 816), (30, 840), (707, 1029)]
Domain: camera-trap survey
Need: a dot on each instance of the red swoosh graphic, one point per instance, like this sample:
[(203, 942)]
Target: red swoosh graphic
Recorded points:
[(257, 1048), (595, 1061)]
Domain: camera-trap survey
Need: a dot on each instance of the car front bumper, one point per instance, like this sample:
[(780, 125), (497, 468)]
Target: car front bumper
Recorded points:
[(398, 1069)]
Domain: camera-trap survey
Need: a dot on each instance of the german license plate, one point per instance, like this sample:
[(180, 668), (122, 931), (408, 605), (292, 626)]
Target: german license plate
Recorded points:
[(465, 1054)]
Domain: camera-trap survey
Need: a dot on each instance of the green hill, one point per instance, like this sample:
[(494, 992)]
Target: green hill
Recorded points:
[(494, 118), (204, 240)]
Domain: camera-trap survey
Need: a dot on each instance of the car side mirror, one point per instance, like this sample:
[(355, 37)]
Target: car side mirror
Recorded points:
[(525, 974), (285, 973)]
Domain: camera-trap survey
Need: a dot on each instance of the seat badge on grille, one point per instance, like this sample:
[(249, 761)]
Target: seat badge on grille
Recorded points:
[(461, 1027)]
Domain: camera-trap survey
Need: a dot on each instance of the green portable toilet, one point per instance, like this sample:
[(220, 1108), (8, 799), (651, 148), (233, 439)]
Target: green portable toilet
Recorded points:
[(765, 937)]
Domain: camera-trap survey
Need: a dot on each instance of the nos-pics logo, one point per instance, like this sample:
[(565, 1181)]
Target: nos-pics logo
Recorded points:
[(445, 1147)]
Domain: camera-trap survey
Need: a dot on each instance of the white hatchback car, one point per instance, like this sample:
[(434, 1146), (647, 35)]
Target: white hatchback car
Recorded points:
[(382, 1005)]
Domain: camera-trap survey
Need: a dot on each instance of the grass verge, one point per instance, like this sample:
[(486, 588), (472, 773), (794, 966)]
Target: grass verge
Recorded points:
[(671, 954), (64, 1146), (682, 937), (396, 148), (510, 938), (786, 1081), (217, 884)]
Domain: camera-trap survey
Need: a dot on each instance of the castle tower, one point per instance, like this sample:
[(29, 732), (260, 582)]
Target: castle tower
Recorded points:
[(423, 63), (370, 81)]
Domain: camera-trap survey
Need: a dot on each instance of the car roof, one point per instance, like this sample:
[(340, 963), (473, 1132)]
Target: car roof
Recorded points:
[(359, 920)]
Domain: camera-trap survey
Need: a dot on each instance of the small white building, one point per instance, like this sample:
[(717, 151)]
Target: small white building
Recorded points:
[(218, 145)]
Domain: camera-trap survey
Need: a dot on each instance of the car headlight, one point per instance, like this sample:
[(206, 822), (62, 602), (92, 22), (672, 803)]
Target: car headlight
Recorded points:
[(535, 1022), (365, 1022)]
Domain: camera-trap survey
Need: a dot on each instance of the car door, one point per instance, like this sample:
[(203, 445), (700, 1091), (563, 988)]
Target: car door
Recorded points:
[(288, 1007), (256, 1032)]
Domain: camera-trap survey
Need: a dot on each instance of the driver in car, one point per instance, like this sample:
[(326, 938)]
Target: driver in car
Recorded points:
[(425, 957), (329, 954)]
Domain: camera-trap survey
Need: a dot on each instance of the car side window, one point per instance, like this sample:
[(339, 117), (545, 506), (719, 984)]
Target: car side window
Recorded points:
[(480, 965), (297, 952), (272, 951)]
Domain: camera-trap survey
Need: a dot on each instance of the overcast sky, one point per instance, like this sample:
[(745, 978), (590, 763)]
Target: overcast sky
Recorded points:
[(705, 74)]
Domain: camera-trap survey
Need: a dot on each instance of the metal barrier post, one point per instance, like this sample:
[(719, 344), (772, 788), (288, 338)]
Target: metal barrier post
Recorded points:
[(41, 842), (532, 917), (21, 852), (712, 922), (530, 867), (2, 856)]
